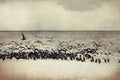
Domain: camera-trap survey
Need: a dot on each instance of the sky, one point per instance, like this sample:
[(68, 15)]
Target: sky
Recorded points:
[(59, 15)]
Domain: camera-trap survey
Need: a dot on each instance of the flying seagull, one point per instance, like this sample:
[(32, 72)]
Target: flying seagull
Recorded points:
[(97, 44), (23, 37), (50, 39)]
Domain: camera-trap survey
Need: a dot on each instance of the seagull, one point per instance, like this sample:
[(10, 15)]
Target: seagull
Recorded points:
[(112, 43), (50, 39), (23, 37), (118, 50), (97, 44), (38, 41), (36, 36)]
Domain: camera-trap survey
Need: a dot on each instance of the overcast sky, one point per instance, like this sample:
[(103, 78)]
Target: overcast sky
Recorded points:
[(59, 14)]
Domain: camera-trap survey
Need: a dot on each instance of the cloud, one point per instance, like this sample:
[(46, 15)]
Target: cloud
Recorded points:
[(114, 3), (80, 5), (54, 15), (87, 5)]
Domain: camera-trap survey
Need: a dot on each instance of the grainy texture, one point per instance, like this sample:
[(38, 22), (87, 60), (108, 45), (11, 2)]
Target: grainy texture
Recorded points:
[(59, 14), (54, 69)]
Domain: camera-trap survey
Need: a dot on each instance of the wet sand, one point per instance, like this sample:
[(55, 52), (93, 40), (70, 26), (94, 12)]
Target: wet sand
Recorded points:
[(57, 70)]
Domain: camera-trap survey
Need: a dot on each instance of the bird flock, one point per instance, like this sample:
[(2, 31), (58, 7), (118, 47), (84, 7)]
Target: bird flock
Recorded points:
[(64, 51), (59, 54)]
